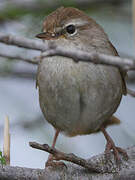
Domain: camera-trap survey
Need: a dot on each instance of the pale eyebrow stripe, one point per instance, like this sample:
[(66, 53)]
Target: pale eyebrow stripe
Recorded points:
[(76, 22)]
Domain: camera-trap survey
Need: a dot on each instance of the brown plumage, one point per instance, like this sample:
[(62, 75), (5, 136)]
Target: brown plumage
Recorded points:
[(79, 98), (61, 15)]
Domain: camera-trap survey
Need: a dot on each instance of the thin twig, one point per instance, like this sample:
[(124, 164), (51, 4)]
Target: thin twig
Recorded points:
[(6, 147), (22, 42), (58, 155), (34, 60), (97, 58), (131, 92), (53, 49)]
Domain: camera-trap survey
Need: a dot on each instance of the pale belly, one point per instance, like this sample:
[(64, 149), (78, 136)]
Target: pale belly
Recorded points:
[(77, 98)]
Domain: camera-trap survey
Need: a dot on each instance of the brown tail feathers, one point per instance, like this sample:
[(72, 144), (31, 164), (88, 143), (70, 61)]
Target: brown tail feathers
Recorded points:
[(112, 121)]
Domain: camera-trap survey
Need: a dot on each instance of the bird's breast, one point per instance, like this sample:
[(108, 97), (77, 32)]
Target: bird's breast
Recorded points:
[(77, 97)]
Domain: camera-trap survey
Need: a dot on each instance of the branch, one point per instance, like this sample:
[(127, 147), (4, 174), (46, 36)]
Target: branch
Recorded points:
[(72, 171), (13, 56), (22, 42), (52, 49), (58, 155), (18, 73), (98, 166), (131, 92), (97, 58)]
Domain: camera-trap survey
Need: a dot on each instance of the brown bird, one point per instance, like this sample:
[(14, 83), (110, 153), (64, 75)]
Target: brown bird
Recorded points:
[(79, 98)]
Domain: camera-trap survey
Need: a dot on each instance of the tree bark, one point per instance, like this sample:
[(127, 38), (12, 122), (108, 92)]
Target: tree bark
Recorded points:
[(74, 172)]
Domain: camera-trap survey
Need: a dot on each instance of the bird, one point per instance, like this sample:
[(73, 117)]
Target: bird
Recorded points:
[(79, 98)]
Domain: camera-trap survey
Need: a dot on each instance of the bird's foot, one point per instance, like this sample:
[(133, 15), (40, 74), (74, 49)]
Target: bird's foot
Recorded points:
[(55, 164), (110, 147)]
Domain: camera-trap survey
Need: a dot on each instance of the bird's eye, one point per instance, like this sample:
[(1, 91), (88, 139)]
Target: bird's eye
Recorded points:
[(71, 29)]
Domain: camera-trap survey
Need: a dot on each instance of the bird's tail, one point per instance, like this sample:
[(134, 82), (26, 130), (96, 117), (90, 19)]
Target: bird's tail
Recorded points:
[(112, 121)]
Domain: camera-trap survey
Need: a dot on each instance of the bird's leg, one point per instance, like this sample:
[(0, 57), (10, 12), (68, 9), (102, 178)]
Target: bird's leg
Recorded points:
[(50, 158), (111, 146), (50, 161)]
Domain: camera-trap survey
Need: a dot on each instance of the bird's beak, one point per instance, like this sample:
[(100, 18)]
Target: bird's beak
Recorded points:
[(42, 35), (48, 36)]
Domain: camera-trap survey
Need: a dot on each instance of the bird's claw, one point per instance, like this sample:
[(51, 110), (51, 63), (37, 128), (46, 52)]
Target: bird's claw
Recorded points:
[(110, 147), (55, 164)]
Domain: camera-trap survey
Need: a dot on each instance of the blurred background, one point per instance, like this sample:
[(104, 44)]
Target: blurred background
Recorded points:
[(19, 97)]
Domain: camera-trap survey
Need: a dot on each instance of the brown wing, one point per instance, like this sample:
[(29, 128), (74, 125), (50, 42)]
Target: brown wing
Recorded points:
[(123, 73)]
